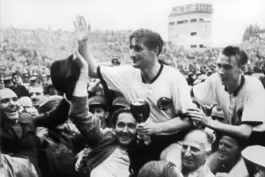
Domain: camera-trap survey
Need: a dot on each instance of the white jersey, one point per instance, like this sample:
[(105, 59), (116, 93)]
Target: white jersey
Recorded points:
[(169, 84), (246, 105), (116, 165)]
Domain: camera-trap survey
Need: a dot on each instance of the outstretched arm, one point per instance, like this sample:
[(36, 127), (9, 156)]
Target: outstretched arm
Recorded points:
[(82, 31), (87, 124)]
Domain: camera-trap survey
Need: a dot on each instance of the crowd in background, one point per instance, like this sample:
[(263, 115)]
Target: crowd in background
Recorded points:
[(26, 58)]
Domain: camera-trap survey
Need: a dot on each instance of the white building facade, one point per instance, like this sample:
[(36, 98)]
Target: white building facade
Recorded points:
[(190, 26)]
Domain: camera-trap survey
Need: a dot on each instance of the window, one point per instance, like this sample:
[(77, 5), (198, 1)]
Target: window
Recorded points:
[(193, 33), (202, 46), (201, 20), (171, 23), (193, 20), (193, 46), (182, 22)]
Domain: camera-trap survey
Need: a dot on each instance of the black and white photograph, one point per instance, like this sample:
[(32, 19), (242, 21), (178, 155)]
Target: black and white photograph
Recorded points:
[(122, 88)]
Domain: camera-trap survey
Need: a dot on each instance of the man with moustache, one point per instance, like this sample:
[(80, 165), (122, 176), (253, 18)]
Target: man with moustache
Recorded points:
[(37, 96), (18, 136), (147, 79), (241, 98)]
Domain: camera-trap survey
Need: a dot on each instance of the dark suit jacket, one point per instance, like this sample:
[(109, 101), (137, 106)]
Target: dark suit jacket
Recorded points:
[(20, 138)]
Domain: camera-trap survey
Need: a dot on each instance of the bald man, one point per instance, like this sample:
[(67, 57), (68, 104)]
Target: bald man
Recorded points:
[(18, 137), (196, 148)]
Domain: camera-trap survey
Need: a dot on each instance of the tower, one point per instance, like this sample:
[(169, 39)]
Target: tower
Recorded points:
[(190, 26)]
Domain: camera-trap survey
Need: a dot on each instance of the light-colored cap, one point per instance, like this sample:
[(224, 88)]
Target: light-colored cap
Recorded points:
[(255, 154)]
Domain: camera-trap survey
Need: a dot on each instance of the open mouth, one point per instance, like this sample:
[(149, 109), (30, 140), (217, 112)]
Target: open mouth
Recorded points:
[(222, 154), (188, 161), (125, 138)]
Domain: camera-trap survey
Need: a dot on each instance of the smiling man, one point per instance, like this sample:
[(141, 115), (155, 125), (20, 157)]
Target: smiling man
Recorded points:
[(17, 135), (241, 97), (227, 159), (37, 96), (109, 155), (196, 148)]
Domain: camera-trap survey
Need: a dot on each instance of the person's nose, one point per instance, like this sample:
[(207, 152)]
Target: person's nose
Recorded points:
[(125, 129), (221, 70), (187, 152)]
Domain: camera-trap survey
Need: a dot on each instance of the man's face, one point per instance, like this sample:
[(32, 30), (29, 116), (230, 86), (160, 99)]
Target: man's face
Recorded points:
[(100, 113), (37, 96), (9, 104), (125, 129), (193, 152), (26, 105), (16, 79), (228, 148), (228, 69), (140, 55)]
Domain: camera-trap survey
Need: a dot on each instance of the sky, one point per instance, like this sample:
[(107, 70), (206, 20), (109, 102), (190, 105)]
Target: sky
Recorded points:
[(230, 17)]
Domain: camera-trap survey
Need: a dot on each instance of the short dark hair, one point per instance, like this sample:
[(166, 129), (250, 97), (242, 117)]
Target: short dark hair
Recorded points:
[(240, 55), (116, 114), (150, 39), (159, 168)]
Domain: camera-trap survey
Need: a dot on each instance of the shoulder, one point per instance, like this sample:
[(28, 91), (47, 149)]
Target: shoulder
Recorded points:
[(123, 70), (172, 73), (253, 84)]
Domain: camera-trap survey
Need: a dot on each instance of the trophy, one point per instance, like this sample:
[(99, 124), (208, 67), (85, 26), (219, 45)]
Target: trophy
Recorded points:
[(141, 110)]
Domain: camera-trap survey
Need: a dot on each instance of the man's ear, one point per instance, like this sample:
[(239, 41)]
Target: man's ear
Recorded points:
[(156, 51), (242, 68)]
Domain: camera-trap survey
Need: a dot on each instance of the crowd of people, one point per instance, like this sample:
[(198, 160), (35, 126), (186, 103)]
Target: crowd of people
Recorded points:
[(147, 119)]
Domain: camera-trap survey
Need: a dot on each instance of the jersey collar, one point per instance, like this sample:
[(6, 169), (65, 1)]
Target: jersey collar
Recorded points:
[(242, 82), (157, 75)]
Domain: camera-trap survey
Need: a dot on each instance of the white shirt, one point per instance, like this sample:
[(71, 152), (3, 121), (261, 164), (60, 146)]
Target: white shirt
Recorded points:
[(170, 83), (116, 165), (248, 105)]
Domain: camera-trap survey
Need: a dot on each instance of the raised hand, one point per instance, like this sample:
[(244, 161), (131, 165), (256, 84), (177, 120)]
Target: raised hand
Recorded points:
[(81, 28)]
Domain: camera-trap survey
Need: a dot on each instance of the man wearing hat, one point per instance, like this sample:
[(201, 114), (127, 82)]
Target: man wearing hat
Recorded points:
[(119, 102), (98, 107), (33, 81)]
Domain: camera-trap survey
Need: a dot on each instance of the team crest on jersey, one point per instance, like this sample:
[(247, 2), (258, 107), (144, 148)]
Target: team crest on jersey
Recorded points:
[(164, 103), (239, 113)]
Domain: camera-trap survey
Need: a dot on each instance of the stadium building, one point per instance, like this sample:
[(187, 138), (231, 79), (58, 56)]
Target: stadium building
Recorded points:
[(190, 26)]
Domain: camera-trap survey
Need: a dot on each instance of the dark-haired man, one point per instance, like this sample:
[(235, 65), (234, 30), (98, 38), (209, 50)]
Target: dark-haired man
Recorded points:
[(165, 88), (109, 156), (17, 86), (241, 97)]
